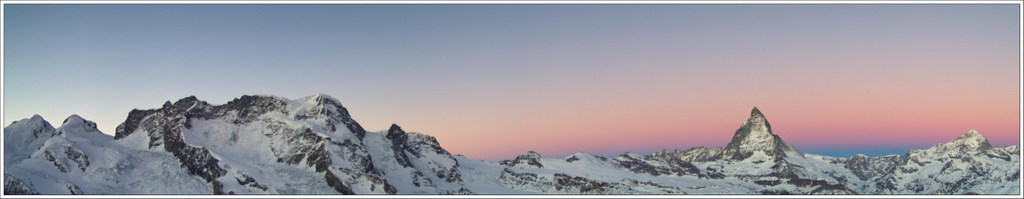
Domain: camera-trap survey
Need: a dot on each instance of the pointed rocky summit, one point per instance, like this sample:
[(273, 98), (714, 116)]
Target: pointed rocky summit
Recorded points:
[(755, 112), (756, 135)]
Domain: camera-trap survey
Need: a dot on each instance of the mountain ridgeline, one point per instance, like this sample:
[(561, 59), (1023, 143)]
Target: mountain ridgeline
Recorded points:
[(271, 145)]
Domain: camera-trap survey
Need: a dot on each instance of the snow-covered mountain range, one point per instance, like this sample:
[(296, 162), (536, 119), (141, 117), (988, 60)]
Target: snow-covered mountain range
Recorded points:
[(271, 145)]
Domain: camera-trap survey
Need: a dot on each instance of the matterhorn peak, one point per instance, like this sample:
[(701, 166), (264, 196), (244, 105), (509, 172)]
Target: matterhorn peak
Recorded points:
[(756, 126), (757, 117), (756, 135), (756, 113)]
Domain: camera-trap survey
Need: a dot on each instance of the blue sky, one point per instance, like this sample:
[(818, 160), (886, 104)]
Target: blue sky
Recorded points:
[(488, 80)]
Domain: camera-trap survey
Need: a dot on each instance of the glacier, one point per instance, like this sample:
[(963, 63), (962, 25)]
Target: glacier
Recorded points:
[(265, 144)]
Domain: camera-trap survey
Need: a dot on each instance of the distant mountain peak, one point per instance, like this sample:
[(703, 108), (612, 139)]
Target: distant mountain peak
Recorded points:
[(533, 154), (74, 118), (322, 99), (78, 124), (969, 143), (970, 134), (756, 127), (35, 119), (323, 105), (24, 136), (972, 140), (529, 160), (36, 124), (395, 130)]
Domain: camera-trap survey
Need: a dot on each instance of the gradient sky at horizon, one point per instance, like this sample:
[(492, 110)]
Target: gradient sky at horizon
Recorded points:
[(494, 81)]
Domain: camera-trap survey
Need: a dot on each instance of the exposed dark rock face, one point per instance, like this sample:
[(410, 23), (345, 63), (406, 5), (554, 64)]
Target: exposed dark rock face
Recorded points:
[(218, 188), (134, 119), (339, 114), (568, 184), (664, 188), (409, 148), (1005, 155), (514, 180), (398, 138), (695, 154), (451, 175), (364, 162), (757, 113), (530, 159), (646, 165), (14, 186), (572, 159), (334, 182), (73, 189), (715, 171), (375, 181), (245, 180), (66, 157), (247, 108), (578, 156), (421, 180), (784, 175), (870, 167), (426, 144), (461, 191), (52, 159), (164, 126), (581, 185), (43, 128), (304, 146)]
